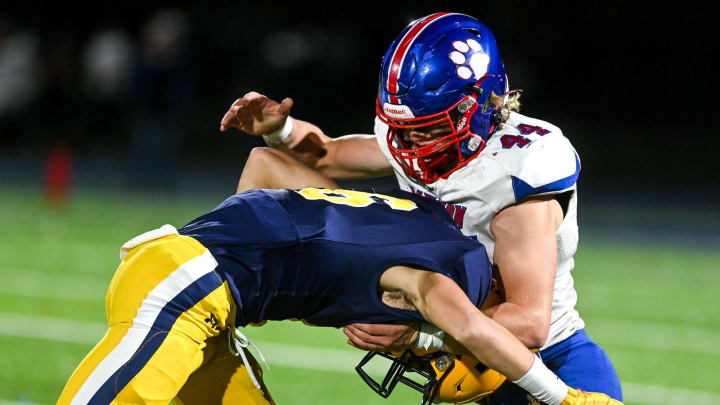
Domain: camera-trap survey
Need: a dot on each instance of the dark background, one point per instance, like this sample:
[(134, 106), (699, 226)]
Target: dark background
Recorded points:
[(632, 85)]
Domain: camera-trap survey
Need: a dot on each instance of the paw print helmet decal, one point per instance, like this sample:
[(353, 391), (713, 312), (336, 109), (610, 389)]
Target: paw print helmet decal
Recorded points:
[(435, 84)]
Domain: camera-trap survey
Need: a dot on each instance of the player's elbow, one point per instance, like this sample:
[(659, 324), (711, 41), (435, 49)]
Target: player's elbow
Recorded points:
[(534, 339), (261, 167), (259, 157), (535, 332)]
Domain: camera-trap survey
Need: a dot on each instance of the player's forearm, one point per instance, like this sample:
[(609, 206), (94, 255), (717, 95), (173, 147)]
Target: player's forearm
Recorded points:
[(444, 304), (495, 346), (306, 143), (346, 157), (498, 349), (354, 157), (450, 345)]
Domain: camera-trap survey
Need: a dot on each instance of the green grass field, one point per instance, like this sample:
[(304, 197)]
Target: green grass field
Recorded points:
[(655, 309)]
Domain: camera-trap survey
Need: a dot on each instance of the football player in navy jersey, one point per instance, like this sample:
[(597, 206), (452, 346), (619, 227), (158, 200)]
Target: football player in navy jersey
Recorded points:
[(448, 127), (325, 256)]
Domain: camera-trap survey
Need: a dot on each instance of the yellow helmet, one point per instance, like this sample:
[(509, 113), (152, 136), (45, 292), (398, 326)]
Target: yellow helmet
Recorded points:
[(447, 377)]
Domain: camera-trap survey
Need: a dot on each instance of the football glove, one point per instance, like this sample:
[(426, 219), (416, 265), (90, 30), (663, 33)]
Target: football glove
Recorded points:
[(577, 397)]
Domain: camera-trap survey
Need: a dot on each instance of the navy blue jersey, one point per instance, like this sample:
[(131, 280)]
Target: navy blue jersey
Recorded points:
[(318, 254)]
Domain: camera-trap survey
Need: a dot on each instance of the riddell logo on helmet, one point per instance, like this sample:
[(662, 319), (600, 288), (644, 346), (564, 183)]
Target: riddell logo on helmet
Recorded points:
[(397, 111), (462, 123)]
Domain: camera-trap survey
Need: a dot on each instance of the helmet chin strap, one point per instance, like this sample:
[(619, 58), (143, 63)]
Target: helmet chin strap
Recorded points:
[(497, 114), (496, 118)]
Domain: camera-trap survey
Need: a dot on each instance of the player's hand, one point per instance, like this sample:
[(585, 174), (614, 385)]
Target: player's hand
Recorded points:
[(256, 114), (380, 337), (577, 397)]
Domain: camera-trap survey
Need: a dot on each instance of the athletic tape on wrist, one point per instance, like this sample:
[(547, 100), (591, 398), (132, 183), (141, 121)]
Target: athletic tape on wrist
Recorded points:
[(280, 134), (430, 337), (543, 384)]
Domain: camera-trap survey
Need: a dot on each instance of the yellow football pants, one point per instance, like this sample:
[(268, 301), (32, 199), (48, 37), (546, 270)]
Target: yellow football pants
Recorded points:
[(168, 313)]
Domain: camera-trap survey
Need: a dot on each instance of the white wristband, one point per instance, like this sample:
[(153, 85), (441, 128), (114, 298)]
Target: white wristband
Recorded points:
[(430, 337), (280, 134), (543, 384)]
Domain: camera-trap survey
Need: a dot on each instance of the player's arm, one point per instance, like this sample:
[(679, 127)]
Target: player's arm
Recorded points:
[(526, 256), (442, 303), (351, 156), (396, 337)]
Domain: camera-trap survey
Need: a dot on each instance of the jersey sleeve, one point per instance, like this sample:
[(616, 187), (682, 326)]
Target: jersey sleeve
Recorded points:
[(473, 273), (550, 166), (536, 156), (504, 175)]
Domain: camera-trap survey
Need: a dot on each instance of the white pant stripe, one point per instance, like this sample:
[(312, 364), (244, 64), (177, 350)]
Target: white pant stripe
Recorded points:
[(163, 293)]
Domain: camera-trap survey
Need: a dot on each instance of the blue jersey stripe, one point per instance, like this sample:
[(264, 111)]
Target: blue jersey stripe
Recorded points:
[(185, 300), (523, 190)]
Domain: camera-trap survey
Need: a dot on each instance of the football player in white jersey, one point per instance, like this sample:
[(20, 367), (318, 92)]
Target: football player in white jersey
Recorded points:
[(449, 129)]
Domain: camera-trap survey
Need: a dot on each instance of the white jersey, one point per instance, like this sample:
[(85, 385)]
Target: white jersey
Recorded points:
[(526, 157)]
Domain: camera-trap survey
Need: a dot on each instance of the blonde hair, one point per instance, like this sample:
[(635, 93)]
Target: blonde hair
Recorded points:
[(512, 104)]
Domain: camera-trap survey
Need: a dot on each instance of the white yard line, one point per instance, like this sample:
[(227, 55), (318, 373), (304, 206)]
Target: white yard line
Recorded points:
[(7, 402), (654, 335), (43, 284), (304, 357), (657, 395), (51, 328)]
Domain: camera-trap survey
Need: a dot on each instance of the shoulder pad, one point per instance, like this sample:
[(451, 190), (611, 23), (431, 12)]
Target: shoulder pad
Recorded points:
[(380, 130), (380, 127), (536, 155)]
